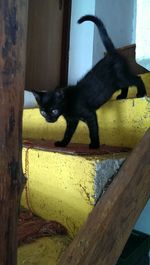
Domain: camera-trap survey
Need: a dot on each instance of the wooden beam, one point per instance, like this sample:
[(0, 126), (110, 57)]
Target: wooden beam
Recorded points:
[(102, 238), (13, 20), (65, 43)]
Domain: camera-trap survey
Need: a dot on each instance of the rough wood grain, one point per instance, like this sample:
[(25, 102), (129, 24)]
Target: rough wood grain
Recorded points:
[(103, 236), (47, 44), (13, 18)]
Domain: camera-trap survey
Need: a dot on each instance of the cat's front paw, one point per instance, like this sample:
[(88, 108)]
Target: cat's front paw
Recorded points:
[(94, 145), (60, 144)]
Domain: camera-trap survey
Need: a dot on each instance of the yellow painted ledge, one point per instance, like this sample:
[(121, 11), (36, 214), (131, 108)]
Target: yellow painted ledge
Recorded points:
[(65, 187), (45, 251), (121, 123)]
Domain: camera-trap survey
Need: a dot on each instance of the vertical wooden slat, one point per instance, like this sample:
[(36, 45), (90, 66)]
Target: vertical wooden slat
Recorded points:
[(44, 42), (13, 20), (65, 43)]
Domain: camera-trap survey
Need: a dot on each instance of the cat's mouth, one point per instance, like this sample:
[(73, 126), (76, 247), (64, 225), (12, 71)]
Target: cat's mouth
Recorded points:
[(51, 119)]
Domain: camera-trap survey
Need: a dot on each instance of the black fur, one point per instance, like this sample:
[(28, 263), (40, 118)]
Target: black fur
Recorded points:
[(81, 101)]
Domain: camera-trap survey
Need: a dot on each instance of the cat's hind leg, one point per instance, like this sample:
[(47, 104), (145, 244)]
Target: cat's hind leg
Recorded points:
[(132, 80), (137, 81), (124, 93)]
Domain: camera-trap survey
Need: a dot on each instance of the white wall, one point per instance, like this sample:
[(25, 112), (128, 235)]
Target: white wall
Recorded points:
[(81, 40), (29, 100), (86, 47), (143, 223), (143, 33), (119, 19)]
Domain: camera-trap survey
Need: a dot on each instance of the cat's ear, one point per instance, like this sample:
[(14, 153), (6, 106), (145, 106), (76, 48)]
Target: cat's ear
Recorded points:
[(38, 96)]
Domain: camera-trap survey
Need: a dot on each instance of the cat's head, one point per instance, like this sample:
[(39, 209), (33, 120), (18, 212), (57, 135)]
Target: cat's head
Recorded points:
[(50, 104)]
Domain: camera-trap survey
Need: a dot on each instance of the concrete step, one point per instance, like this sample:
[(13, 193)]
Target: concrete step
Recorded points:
[(121, 123), (64, 184)]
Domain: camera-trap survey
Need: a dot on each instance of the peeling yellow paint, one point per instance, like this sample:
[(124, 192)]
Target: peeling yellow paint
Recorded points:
[(125, 121), (59, 187), (45, 251)]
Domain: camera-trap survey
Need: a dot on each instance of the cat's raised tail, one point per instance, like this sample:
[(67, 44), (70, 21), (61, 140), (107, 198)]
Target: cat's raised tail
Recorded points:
[(109, 46)]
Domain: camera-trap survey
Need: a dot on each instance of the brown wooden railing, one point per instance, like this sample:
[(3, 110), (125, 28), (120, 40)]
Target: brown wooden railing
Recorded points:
[(13, 20)]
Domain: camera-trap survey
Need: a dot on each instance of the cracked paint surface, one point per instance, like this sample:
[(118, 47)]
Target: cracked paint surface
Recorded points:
[(59, 187), (64, 187)]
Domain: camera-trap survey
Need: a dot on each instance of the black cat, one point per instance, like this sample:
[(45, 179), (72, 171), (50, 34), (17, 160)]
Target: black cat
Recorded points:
[(81, 101)]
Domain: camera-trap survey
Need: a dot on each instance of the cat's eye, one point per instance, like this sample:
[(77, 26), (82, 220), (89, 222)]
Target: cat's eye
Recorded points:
[(55, 111), (43, 113)]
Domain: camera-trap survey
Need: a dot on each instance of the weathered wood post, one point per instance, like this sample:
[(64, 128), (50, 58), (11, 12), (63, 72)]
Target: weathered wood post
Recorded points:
[(13, 22)]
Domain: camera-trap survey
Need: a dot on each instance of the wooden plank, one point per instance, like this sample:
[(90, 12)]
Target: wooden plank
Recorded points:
[(44, 43), (13, 18), (65, 43), (102, 238), (129, 53)]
